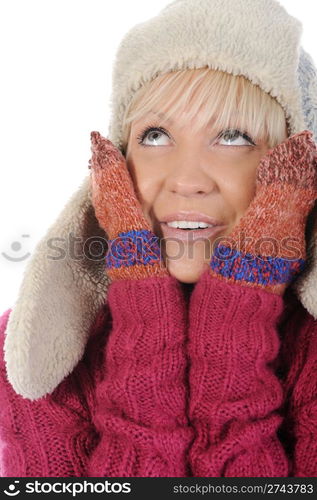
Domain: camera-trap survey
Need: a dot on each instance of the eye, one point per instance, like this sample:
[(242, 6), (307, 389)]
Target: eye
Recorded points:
[(158, 136), (232, 134), (154, 136)]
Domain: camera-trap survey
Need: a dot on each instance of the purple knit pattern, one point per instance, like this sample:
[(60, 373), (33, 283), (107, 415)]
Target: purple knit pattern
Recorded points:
[(133, 248), (230, 263)]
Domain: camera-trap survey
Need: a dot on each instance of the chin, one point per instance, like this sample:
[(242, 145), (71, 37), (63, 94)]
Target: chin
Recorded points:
[(186, 272)]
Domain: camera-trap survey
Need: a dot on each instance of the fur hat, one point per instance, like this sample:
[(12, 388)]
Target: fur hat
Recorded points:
[(58, 299)]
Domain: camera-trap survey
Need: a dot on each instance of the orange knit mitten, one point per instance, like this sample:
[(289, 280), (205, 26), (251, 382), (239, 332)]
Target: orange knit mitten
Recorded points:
[(267, 248), (134, 250)]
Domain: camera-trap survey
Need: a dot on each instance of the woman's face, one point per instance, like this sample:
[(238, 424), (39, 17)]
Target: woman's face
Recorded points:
[(176, 170)]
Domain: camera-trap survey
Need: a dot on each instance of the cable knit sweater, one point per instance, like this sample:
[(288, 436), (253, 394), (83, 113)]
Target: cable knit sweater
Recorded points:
[(224, 385)]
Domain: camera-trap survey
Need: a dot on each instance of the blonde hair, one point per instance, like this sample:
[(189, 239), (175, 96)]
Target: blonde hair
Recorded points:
[(232, 101)]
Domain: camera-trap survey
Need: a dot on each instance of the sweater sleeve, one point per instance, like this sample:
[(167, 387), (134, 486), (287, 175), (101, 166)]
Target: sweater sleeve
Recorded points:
[(48, 437), (140, 409), (235, 395), (299, 368)]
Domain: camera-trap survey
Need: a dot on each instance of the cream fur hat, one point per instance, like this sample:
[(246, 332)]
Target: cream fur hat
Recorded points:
[(58, 299)]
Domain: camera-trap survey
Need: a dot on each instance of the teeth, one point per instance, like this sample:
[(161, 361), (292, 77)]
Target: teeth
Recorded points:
[(185, 224)]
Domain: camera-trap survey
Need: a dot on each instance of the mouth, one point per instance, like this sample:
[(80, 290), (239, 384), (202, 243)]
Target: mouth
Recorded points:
[(189, 235)]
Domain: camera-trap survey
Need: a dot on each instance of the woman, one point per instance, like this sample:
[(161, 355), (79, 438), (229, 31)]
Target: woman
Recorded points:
[(185, 351)]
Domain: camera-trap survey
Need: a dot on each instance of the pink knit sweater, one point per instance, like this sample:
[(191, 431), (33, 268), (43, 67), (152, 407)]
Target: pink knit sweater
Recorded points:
[(223, 386)]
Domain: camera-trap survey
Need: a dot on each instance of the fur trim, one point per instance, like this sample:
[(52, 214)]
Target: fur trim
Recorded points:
[(59, 297)]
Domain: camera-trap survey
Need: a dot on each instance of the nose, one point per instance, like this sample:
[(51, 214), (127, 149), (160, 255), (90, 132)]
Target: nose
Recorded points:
[(191, 176)]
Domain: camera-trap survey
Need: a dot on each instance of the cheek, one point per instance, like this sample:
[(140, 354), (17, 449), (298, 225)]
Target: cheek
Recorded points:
[(148, 189), (242, 196), (147, 182), (238, 188)]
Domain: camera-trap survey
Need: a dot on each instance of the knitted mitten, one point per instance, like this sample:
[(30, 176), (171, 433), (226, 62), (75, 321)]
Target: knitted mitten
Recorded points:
[(134, 250), (267, 248)]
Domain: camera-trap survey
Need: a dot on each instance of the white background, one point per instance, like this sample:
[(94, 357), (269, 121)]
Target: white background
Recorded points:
[(56, 65)]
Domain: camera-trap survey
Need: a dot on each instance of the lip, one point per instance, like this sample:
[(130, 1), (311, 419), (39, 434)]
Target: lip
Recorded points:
[(190, 235), (191, 216)]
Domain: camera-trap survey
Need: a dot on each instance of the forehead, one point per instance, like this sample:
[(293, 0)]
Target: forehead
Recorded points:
[(181, 114), (184, 117), (158, 114)]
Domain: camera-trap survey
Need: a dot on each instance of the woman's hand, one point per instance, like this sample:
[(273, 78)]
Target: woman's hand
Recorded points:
[(267, 248), (134, 251)]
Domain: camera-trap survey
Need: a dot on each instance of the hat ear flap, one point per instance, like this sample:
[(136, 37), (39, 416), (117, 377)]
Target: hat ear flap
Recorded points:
[(305, 286), (59, 299), (307, 78)]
